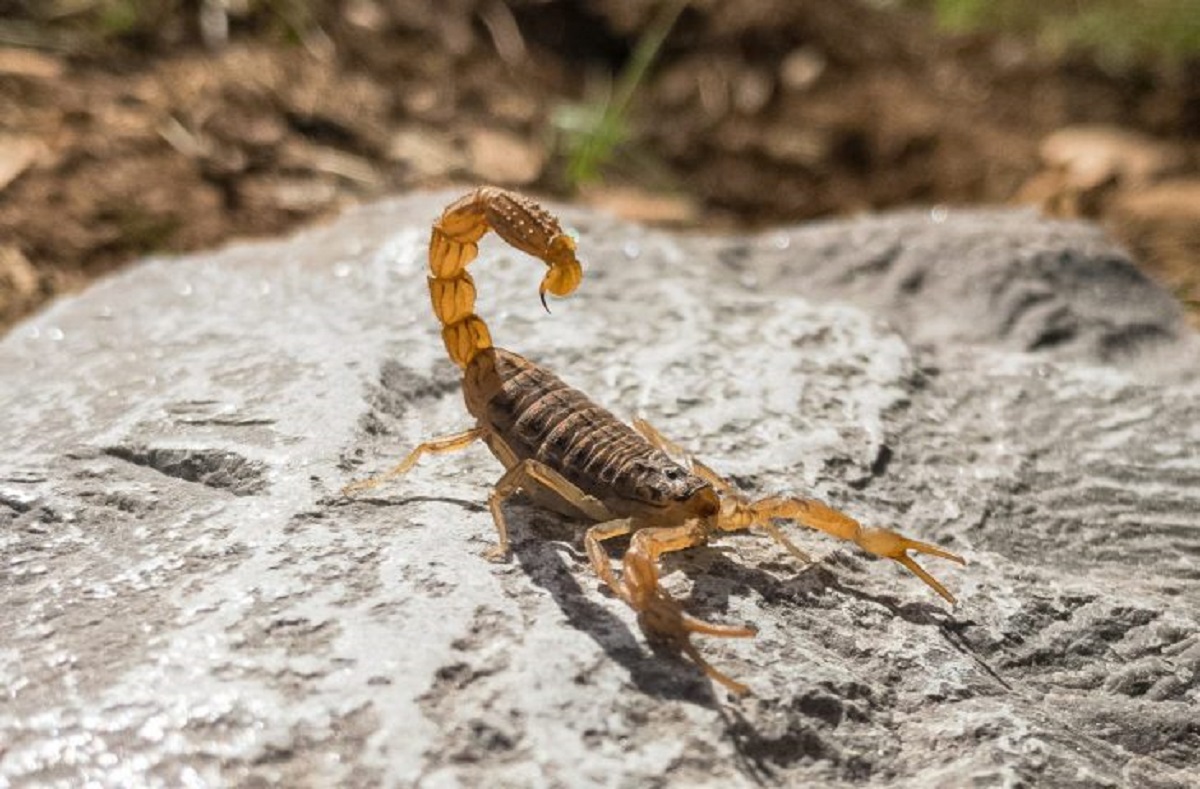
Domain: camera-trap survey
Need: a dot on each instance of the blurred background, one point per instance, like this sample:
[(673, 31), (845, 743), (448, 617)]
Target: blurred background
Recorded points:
[(136, 126)]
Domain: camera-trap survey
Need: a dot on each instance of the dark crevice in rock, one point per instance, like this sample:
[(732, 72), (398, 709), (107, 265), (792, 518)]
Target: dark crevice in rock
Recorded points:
[(214, 468), (15, 503), (877, 264), (1129, 341), (883, 457), (1052, 337)]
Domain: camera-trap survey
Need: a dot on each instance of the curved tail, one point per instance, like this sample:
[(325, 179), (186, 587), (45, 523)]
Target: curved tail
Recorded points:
[(454, 244)]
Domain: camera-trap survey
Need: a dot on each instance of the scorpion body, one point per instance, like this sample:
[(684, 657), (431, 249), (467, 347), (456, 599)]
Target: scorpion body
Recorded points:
[(577, 458), (548, 422)]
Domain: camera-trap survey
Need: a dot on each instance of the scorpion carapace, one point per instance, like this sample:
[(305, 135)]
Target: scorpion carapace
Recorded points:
[(573, 456)]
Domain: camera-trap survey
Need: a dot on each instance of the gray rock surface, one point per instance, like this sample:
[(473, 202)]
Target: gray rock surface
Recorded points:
[(186, 599)]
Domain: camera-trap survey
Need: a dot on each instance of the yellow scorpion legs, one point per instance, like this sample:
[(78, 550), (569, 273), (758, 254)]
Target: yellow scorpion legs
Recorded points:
[(739, 513), (880, 542), (437, 446), (660, 615)]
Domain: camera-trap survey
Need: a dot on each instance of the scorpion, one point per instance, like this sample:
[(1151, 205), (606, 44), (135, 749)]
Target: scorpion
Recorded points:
[(572, 456)]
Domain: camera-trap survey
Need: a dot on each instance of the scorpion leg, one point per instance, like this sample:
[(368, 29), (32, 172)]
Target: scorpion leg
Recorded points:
[(437, 446), (599, 557), (723, 485), (659, 614), (537, 478), (880, 542)]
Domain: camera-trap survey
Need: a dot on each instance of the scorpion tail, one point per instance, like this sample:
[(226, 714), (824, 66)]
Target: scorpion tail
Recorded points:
[(523, 224)]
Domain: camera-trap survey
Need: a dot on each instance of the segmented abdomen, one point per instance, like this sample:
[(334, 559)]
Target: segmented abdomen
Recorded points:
[(541, 417)]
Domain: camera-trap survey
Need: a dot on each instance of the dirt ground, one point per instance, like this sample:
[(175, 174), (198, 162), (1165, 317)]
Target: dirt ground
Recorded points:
[(174, 137)]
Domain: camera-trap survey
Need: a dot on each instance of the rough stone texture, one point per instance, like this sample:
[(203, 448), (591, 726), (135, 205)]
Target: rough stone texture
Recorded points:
[(186, 599)]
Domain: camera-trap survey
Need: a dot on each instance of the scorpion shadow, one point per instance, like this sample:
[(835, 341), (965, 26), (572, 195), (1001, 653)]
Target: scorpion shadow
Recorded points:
[(542, 543), (758, 754), (547, 547), (922, 613), (808, 581)]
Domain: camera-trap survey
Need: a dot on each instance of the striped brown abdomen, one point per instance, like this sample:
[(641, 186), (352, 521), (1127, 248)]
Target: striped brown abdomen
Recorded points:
[(540, 417)]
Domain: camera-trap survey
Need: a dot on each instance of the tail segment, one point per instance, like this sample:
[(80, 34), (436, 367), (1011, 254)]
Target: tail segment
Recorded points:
[(454, 244)]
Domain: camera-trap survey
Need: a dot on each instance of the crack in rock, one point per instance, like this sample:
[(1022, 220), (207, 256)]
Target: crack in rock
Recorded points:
[(214, 468)]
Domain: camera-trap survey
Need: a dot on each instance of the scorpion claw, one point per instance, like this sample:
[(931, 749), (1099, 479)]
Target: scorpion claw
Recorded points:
[(664, 620), (890, 545), (934, 584)]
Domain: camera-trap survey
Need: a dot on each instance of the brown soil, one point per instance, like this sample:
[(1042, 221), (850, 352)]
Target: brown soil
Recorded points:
[(756, 112)]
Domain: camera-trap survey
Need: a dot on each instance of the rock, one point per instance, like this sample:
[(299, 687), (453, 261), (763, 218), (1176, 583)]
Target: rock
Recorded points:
[(1084, 165), (802, 67), (428, 154), (1162, 223), (501, 157), (752, 90), (809, 148), (18, 62), (187, 598), (640, 205), (17, 154), (1093, 155), (948, 278), (298, 194), (19, 280)]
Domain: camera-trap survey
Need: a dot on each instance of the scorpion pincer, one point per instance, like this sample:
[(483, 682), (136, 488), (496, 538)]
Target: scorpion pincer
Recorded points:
[(574, 456)]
